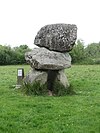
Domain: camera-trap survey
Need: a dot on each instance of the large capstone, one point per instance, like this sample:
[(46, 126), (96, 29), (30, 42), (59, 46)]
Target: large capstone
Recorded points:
[(57, 37), (42, 58)]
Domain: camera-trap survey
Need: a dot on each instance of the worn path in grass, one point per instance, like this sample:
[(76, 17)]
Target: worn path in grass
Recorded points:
[(78, 113)]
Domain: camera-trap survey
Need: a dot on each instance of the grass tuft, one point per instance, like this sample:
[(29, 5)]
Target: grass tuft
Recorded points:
[(34, 89), (37, 89)]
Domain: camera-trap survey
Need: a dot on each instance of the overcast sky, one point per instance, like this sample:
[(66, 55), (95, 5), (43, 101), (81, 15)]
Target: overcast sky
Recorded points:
[(20, 20)]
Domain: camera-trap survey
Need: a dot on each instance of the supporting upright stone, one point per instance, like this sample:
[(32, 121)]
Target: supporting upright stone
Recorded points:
[(36, 76), (62, 79), (42, 77)]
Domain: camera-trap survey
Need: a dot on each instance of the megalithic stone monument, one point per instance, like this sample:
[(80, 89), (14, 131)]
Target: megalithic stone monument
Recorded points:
[(51, 58)]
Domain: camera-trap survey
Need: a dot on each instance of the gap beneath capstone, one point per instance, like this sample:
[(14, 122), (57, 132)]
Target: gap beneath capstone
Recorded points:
[(52, 75)]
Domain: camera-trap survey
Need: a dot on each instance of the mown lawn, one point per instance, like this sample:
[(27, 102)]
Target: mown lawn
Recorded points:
[(78, 113)]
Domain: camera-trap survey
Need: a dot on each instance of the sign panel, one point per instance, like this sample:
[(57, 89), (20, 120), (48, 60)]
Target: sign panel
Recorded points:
[(20, 72)]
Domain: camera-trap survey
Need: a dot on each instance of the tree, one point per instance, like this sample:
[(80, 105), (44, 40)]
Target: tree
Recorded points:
[(13, 56), (93, 50), (5, 55), (20, 52), (78, 52)]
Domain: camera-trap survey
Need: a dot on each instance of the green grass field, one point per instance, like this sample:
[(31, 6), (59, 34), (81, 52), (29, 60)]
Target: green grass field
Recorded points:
[(78, 113)]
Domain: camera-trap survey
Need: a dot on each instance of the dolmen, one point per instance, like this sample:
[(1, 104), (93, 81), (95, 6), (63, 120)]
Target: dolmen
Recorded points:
[(49, 60)]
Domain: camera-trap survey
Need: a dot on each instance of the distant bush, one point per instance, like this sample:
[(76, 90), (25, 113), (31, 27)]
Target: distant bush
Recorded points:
[(13, 56), (97, 61), (85, 55)]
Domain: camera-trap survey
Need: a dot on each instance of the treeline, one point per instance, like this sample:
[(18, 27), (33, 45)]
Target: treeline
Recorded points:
[(86, 55), (80, 54), (13, 56)]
